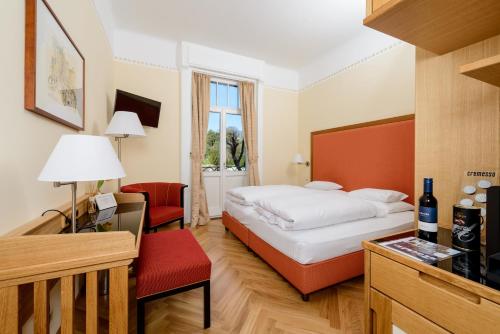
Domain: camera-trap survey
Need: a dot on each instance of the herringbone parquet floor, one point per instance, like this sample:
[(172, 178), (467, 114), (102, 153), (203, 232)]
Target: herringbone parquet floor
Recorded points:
[(250, 297)]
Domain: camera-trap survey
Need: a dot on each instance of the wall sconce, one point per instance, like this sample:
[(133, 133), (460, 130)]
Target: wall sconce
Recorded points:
[(299, 160)]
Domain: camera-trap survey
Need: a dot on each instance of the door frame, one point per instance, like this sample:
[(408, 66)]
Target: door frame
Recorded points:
[(223, 111), (186, 72)]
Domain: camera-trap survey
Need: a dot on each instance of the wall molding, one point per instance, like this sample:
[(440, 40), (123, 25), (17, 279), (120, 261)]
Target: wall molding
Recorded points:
[(145, 50), (353, 65), (146, 64)]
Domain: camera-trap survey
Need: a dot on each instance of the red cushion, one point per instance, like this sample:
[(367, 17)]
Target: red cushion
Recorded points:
[(163, 214), (170, 260)]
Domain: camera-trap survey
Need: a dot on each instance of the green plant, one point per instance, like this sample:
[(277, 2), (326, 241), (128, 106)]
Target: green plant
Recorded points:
[(100, 183)]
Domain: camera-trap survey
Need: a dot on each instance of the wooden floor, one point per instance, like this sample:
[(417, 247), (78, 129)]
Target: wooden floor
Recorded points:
[(250, 297)]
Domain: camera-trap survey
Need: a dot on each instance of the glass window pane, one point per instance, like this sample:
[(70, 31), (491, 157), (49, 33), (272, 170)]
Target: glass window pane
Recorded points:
[(211, 163), (222, 95), (213, 94), (233, 97), (235, 145)]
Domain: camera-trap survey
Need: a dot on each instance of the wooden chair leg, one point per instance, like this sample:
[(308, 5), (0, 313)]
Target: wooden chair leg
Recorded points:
[(181, 222), (141, 314), (206, 305)]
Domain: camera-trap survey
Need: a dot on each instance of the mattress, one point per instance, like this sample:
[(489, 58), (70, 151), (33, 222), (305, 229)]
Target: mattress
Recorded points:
[(316, 245)]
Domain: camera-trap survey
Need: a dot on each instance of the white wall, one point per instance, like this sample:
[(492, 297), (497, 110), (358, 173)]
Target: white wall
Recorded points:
[(360, 48), (26, 139), (380, 87), (154, 158)]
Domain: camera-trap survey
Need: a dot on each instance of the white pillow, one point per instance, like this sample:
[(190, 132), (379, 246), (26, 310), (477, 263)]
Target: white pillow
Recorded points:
[(378, 195), (323, 185), (383, 209)]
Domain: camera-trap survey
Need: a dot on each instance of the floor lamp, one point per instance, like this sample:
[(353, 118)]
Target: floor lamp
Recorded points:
[(81, 158), (124, 124)]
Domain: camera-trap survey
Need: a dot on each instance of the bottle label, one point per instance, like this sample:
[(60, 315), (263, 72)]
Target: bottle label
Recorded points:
[(427, 227), (427, 214)]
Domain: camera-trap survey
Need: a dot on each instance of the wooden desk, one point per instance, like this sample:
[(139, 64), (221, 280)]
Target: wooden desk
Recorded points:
[(419, 298), (36, 255)]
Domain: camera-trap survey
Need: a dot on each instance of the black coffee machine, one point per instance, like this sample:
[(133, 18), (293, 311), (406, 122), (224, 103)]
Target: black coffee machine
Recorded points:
[(493, 233)]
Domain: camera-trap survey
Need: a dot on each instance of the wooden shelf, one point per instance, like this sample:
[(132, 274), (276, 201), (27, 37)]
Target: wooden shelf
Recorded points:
[(440, 26), (487, 70)]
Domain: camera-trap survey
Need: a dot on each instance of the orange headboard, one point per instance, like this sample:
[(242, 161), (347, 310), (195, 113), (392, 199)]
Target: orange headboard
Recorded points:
[(378, 154)]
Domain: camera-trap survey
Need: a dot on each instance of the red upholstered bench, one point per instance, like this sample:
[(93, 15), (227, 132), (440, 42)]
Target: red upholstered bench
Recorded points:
[(171, 262)]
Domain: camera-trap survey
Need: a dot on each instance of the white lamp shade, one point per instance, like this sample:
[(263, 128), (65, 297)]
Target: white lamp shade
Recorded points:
[(125, 123), (82, 158), (297, 159)]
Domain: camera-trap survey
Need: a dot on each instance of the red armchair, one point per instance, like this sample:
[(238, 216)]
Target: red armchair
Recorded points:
[(164, 202)]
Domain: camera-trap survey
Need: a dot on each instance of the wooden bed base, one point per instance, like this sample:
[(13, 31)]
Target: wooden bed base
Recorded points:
[(306, 278)]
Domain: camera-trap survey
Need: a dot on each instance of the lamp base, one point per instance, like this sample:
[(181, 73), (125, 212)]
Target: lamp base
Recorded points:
[(73, 202)]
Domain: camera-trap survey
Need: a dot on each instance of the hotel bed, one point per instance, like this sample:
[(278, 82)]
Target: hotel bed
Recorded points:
[(376, 155), (319, 244)]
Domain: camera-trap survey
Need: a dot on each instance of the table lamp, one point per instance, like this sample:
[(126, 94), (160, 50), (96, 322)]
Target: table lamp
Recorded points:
[(79, 158), (124, 124)]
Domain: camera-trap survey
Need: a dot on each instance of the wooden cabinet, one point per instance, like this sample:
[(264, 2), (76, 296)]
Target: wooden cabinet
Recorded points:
[(486, 70), (392, 317), (373, 5), (407, 296), (439, 26)]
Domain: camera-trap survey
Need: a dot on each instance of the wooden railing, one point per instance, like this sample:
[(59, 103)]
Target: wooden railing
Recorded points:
[(43, 259)]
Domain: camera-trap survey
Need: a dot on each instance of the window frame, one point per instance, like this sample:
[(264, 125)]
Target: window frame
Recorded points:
[(222, 123)]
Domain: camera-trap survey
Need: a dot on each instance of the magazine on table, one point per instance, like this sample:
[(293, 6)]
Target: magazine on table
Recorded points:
[(421, 250)]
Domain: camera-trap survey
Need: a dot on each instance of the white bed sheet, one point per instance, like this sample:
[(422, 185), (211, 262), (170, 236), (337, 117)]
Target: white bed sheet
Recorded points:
[(241, 212), (319, 244)]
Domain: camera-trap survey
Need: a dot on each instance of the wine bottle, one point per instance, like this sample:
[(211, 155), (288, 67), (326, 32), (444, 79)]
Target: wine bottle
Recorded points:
[(427, 213)]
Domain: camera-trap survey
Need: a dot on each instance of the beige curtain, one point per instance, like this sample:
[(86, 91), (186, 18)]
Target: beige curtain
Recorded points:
[(249, 117), (199, 126)]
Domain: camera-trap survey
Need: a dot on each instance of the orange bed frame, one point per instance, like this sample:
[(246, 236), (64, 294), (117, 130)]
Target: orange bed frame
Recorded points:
[(379, 154), (306, 278)]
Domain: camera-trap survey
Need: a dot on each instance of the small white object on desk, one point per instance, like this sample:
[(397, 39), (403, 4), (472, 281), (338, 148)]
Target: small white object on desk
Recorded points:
[(105, 201)]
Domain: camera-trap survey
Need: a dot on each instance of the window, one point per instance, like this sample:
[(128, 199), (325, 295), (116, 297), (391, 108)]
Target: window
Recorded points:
[(211, 163), (224, 115)]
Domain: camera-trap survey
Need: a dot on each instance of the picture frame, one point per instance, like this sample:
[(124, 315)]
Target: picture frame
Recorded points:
[(54, 79)]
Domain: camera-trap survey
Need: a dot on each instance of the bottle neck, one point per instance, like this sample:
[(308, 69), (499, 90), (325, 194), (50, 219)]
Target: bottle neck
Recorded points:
[(427, 188)]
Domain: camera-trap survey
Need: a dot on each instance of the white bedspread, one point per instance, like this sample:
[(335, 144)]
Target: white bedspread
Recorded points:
[(249, 195), (313, 210)]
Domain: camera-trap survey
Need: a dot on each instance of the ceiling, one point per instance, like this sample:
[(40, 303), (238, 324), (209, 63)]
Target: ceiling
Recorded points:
[(287, 33)]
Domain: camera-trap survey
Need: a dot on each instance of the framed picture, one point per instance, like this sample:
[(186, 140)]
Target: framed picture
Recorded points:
[(54, 68)]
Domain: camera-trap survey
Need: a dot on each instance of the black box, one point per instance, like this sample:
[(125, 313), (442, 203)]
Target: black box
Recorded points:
[(493, 233)]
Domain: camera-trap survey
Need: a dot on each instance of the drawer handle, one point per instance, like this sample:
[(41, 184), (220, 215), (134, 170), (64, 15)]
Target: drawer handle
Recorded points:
[(450, 288)]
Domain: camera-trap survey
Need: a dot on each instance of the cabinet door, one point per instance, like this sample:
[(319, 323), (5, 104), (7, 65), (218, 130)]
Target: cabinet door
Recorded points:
[(390, 317), (381, 308), (406, 321)]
